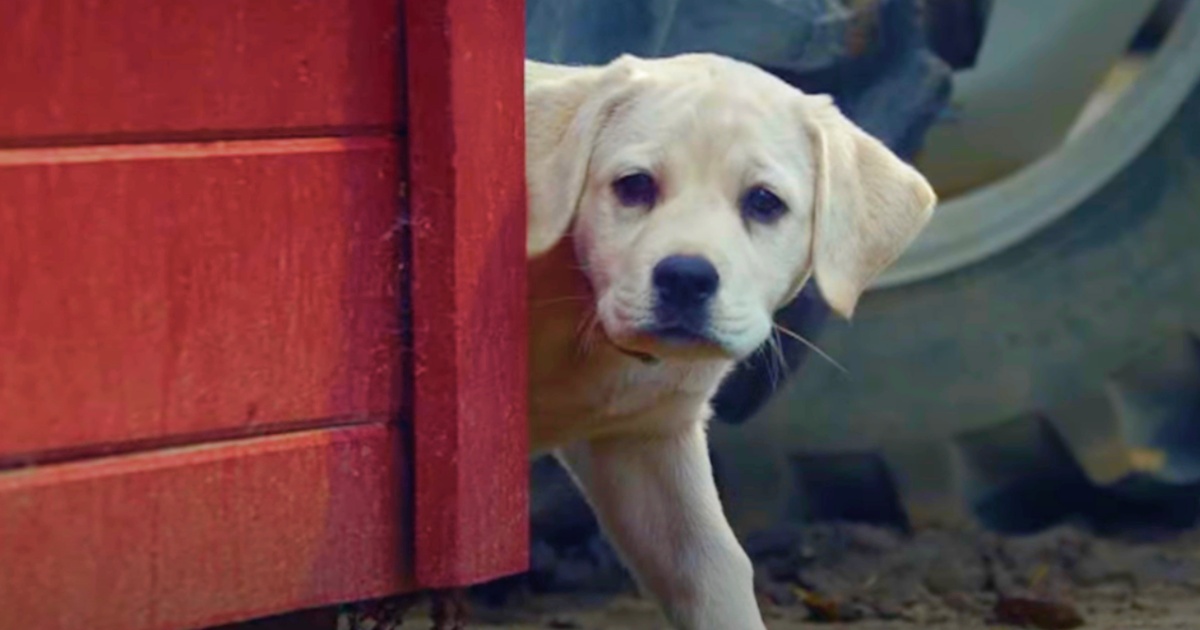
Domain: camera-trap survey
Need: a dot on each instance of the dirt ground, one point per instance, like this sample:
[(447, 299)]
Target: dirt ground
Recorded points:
[(1171, 611), (862, 578), (858, 577)]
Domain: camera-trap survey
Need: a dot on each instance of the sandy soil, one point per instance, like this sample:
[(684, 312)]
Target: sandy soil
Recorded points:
[(875, 579), (1154, 611), (854, 577)]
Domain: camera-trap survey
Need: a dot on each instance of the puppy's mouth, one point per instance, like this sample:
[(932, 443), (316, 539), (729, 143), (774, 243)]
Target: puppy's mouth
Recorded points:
[(679, 337), (651, 345), (644, 357)]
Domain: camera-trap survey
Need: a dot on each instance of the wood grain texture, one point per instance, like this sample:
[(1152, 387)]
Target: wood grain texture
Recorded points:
[(186, 538), (466, 108), (72, 69), (173, 292)]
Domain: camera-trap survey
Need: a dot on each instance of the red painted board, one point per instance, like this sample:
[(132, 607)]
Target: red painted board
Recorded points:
[(467, 176), (73, 69), (160, 294), (197, 536)]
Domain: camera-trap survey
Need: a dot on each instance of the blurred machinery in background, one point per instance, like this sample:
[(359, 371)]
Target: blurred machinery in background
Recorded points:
[(1033, 357)]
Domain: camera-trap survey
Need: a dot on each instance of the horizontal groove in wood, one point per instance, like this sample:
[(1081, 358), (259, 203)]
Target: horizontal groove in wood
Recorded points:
[(200, 135), (189, 150), (81, 67), (93, 451), (198, 536), (160, 291)]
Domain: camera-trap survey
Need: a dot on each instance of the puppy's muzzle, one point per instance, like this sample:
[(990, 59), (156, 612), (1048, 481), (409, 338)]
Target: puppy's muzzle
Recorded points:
[(684, 287)]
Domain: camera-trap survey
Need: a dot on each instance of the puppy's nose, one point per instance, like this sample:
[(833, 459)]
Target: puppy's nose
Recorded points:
[(685, 281)]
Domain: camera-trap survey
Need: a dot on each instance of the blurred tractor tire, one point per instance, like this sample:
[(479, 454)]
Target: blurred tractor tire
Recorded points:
[(1056, 379)]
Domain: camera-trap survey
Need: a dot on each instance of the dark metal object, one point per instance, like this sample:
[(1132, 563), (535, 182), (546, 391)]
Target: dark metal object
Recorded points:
[(956, 29)]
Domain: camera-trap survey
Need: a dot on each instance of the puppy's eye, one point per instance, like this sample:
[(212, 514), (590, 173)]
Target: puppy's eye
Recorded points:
[(636, 189), (762, 206)]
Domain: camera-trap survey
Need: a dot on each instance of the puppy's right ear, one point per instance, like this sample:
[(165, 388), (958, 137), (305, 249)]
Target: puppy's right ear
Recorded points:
[(565, 109), (869, 205)]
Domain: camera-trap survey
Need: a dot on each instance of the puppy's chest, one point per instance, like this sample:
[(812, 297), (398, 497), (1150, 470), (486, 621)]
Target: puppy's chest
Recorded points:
[(607, 392)]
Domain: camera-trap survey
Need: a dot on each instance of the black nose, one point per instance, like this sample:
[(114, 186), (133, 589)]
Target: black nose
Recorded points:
[(685, 281)]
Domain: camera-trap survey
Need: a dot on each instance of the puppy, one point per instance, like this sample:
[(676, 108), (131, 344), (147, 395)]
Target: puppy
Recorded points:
[(674, 205)]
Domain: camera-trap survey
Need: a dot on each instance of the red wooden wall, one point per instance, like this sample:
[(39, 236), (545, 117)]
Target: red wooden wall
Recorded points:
[(213, 405), (466, 87)]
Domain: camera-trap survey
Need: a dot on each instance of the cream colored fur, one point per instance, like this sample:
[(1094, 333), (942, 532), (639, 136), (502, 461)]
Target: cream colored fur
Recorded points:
[(625, 412)]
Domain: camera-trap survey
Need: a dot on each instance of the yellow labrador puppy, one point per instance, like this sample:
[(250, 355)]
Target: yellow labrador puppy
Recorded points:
[(675, 204)]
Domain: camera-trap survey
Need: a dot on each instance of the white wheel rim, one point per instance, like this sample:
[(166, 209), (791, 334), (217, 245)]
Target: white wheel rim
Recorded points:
[(981, 223)]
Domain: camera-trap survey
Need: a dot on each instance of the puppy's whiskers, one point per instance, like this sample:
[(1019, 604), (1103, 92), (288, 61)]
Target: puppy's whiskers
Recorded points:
[(586, 332), (763, 351), (779, 363), (560, 300), (811, 346)]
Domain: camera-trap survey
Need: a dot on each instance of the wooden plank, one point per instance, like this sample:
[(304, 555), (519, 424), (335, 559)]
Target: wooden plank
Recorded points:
[(161, 293), (73, 69), (193, 537), (466, 108)]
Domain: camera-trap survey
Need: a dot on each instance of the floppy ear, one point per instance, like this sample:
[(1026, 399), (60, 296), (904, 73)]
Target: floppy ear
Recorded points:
[(565, 108), (868, 205)]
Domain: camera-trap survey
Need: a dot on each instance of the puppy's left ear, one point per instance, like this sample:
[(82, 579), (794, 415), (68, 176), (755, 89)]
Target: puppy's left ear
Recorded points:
[(868, 204)]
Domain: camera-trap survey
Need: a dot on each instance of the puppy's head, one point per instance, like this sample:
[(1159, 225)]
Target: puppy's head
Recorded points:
[(701, 194)]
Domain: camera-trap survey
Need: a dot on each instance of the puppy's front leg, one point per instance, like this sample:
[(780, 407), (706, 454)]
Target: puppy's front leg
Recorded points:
[(657, 501)]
